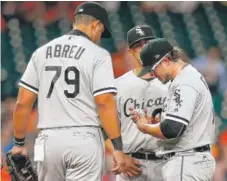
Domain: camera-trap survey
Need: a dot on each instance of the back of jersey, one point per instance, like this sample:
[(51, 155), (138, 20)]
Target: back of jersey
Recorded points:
[(69, 72)]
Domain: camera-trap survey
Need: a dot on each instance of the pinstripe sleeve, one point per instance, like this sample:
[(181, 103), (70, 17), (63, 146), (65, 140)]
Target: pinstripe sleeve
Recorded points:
[(29, 79), (103, 80), (182, 104)]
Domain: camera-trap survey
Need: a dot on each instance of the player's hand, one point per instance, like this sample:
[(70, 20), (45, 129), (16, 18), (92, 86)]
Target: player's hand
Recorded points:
[(131, 167), (142, 121), (119, 161), (148, 116), (22, 150), (140, 124), (153, 118), (136, 114), (140, 117)]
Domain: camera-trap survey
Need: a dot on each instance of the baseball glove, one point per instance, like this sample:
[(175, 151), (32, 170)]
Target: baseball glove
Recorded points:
[(20, 168)]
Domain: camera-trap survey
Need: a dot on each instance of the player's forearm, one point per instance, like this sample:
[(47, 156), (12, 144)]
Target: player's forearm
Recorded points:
[(22, 111), (108, 115), (109, 145), (20, 119), (152, 129), (109, 121)]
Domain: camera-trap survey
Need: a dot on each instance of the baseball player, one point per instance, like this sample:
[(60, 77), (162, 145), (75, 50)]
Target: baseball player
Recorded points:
[(138, 90), (73, 80), (187, 124)]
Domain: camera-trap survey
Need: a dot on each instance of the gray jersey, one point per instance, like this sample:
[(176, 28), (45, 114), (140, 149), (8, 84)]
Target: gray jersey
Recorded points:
[(67, 73), (139, 94), (190, 103)]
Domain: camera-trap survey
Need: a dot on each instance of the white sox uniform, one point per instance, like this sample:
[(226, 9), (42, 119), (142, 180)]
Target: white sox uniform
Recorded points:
[(139, 94), (188, 157), (67, 73)]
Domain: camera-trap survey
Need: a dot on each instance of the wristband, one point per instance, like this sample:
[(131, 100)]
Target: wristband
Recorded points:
[(19, 141), (117, 143)]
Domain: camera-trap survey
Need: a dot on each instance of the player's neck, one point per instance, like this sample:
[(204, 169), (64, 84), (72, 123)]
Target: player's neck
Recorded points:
[(84, 29), (178, 68)]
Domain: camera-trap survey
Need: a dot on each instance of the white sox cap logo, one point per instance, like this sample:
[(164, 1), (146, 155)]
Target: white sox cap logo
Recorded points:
[(139, 31), (157, 56)]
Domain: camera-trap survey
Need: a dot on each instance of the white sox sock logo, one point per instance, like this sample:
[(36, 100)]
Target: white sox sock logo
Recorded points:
[(139, 31)]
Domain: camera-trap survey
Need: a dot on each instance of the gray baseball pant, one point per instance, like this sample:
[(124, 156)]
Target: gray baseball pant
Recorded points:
[(71, 154), (189, 166), (149, 171), (185, 166)]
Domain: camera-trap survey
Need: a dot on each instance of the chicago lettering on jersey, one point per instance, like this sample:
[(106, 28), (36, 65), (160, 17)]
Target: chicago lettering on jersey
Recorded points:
[(130, 102), (64, 51)]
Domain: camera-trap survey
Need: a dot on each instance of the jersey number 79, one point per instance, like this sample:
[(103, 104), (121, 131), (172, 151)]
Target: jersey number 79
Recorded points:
[(75, 81)]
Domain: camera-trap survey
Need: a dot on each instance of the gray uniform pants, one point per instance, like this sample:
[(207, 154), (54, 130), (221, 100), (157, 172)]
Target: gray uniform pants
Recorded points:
[(149, 172), (70, 154), (192, 166)]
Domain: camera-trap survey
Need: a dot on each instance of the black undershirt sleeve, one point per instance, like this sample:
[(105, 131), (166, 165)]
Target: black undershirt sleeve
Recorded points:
[(172, 129)]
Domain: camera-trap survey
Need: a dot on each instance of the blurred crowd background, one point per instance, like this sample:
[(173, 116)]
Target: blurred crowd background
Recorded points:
[(198, 28)]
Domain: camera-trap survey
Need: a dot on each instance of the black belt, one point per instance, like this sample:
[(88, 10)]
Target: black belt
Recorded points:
[(144, 156), (198, 149)]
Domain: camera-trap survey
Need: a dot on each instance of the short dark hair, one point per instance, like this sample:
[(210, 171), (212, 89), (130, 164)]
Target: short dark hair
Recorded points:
[(174, 54), (83, 19)]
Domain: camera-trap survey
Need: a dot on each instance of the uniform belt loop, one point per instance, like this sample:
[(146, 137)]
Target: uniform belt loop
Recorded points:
[(146, 155)]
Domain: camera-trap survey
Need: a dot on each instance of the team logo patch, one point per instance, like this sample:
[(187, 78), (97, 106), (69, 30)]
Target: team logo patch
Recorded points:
[(139, 31), (177, 98)]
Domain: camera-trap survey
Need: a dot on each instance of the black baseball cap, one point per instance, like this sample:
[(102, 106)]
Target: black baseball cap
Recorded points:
[(153, 53), (97, 11), (140, 32)]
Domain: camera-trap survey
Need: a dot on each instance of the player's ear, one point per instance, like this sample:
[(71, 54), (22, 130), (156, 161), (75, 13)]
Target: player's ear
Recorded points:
[(95, 24), (166, 60)]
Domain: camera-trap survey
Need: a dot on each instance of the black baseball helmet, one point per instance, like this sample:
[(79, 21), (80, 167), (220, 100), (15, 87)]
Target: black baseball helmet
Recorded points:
[(97, 11), (140, 32)]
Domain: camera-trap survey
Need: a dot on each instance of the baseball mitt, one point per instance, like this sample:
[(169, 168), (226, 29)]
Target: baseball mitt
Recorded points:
[(20, 168)]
